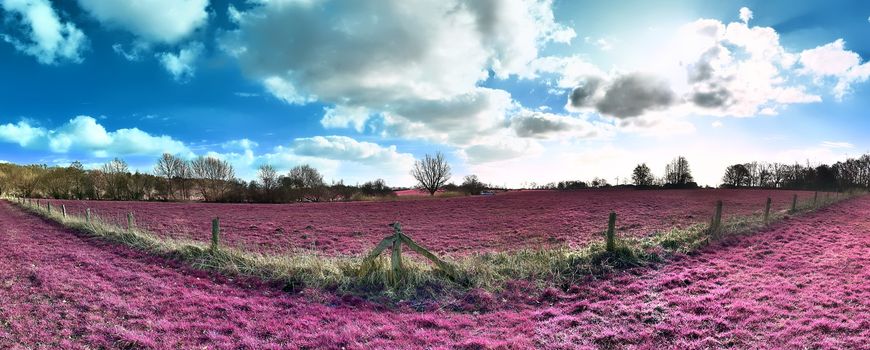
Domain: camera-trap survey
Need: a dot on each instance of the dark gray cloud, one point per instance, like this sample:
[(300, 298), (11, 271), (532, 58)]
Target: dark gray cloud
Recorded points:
[(582, 96), (633, 94), (703, 70), (712, 98), (539, 125)]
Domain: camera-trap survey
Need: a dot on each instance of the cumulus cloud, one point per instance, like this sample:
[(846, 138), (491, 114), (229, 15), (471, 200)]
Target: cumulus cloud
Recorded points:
[(728, 69), (181, 65), (84, 133), (707, 67), (494, 149), (347, 149), (832, 60), (738, 70), (42, 33), (400, 61), (337, 157), (158, 21)]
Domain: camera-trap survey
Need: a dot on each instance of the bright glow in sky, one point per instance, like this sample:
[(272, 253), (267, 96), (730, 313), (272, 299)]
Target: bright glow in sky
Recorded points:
[(515, 91)]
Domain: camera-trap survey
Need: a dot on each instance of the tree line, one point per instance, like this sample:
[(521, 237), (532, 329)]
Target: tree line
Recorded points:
[(842, 175), (677, 174), (213, 180)]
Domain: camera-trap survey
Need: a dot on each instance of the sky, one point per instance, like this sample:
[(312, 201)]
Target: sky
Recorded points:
[(514, 91)]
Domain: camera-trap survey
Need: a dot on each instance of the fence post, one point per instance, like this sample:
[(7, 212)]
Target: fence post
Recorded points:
[(794, 204), (815, 199), (610, 236), (130, 222), (88, 215), (63, 210), (215, 233), (715, 226), (767, 212), (48, 206), (396, 257)]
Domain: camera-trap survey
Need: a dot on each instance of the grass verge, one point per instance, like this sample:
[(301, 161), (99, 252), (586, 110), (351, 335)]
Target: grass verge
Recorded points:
[(348, 274)]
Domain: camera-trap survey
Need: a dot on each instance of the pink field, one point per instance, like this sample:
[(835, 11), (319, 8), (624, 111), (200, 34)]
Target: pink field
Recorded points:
[(803, 283), (505, 221)]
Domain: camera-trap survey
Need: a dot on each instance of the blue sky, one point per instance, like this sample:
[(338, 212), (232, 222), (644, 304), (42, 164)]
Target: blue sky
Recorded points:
[(515, 91)]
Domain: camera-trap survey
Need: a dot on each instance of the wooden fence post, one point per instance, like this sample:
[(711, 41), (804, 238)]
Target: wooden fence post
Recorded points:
[(215, 233), (394, 242), (63, 209), (610, 236), (715, 225), (767, 212), (815, 199), (396, 256), (48, 206), (88, 215), (130, 222), (794, 204)]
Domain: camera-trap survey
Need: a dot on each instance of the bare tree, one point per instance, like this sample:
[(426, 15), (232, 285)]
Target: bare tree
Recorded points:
[(116, 174), (678, 172), (268, 181), (170, 168), (215, 177), (268, 177), (431, 172)]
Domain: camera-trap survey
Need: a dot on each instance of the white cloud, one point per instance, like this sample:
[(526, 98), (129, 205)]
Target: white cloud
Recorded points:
[(158, 21), (707, 68), (83, 133), (745, 14), (134, 53), (181, 65), (240, 144), (421, 82), (337, 157), (832, 60), (347, 149), (603, 44), (717, 124), (837, 144), (344, 117), (46, 37), (21, 133)]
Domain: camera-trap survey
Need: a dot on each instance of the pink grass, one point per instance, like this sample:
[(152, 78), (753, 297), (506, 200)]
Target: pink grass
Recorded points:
[(506, 221), (801, 284)]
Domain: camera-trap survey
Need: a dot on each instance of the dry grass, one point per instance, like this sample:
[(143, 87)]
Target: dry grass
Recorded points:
[(348, 274)]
